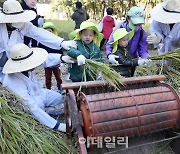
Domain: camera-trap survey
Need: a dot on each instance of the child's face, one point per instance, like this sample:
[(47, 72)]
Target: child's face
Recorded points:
[(49, 29), (87, 36), (123, 42)]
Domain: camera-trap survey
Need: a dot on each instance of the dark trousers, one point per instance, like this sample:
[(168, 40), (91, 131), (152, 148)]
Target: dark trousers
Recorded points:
[(48, 75), (103, 42)]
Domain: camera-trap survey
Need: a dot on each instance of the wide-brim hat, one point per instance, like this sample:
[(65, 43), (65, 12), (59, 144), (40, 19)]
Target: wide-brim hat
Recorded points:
[(12, 12), (23, 58), (118, 34), (75, 35), (50, 25), (167, 12)]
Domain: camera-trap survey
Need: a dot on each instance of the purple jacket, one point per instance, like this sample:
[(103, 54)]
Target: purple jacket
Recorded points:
[(137, 45)]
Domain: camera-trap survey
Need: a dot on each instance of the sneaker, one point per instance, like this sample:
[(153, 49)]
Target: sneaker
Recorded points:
[(55, 110), (61, 91)]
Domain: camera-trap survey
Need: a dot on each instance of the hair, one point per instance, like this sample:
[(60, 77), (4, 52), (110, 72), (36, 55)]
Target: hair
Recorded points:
[(109, 11), (78, 5), (87, 29)]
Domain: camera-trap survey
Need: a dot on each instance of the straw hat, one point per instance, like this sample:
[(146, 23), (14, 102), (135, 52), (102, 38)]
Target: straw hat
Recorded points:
[(75, 35), (12, 12), (118, 34), (167, 12), (23, 58)]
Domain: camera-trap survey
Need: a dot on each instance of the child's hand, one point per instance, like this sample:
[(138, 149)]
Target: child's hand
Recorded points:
[(81, 60), (66, 59), (144, 61), (112, 59)]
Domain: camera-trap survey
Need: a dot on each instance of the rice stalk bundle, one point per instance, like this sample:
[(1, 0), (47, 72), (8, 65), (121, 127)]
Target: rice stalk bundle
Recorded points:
[(108, 74), (21, 133), (173, 77), (174, 56)]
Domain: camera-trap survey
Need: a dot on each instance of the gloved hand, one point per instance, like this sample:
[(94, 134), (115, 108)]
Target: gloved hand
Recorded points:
[(141, 61), (112, 59), (148, 62), (67, 44), (144, 61), (155, 38), (62, 127), (40, 21), (66, 59), (99, 76), (81, 60)]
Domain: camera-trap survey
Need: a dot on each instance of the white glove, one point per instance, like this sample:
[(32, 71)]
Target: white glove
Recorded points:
[(81, 60), (155, 38), (99, 76), (67, 44), (67, 59), (141, 61), (62, 127), (112, 59), (40, 21), (148, 62), (144, 61)]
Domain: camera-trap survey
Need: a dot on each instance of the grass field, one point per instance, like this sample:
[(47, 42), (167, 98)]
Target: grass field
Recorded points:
[(64, 27)]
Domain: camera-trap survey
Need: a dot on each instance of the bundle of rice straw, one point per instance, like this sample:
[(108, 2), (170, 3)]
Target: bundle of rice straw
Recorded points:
[(174, 56), (108, 74), (21, 133)]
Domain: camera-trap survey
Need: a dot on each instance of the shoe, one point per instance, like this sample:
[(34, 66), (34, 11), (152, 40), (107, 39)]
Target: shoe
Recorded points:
[(57, 110), (61, 91)]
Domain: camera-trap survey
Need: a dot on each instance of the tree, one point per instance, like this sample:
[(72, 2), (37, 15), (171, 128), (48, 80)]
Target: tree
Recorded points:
[(96, 8)]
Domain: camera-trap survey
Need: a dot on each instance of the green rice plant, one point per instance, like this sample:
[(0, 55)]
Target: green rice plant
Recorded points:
[(108, 74), (21, 133)]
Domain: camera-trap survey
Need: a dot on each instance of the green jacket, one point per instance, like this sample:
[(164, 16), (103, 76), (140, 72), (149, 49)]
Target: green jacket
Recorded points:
[(127, 63), (90, 51)]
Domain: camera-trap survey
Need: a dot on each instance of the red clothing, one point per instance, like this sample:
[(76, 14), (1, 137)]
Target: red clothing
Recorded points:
[(108, 24)]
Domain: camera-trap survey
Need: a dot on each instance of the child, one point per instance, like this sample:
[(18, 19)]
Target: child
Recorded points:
[(88, 39), (126, 62), (49, 26), (108, 23)]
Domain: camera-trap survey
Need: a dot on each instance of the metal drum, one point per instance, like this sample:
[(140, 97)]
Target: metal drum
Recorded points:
[(130, 112)]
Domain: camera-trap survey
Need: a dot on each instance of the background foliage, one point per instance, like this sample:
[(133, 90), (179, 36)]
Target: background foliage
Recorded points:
[(96, 7)]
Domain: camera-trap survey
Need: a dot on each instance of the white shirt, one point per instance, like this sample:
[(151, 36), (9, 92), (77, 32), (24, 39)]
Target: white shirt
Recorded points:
[(29, 30), (170, 38)]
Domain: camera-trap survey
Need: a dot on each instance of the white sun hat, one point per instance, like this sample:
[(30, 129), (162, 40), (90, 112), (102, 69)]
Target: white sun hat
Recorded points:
[(167, 12), (23, 58), (12, 12)]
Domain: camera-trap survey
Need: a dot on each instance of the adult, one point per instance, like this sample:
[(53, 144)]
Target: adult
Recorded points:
[(14, 25), (79, 15), (20, 78), (108, 23), (137, 43), (31, 5), (165, 27)]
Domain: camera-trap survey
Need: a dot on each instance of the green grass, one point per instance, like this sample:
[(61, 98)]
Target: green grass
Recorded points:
[(64, 27)]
